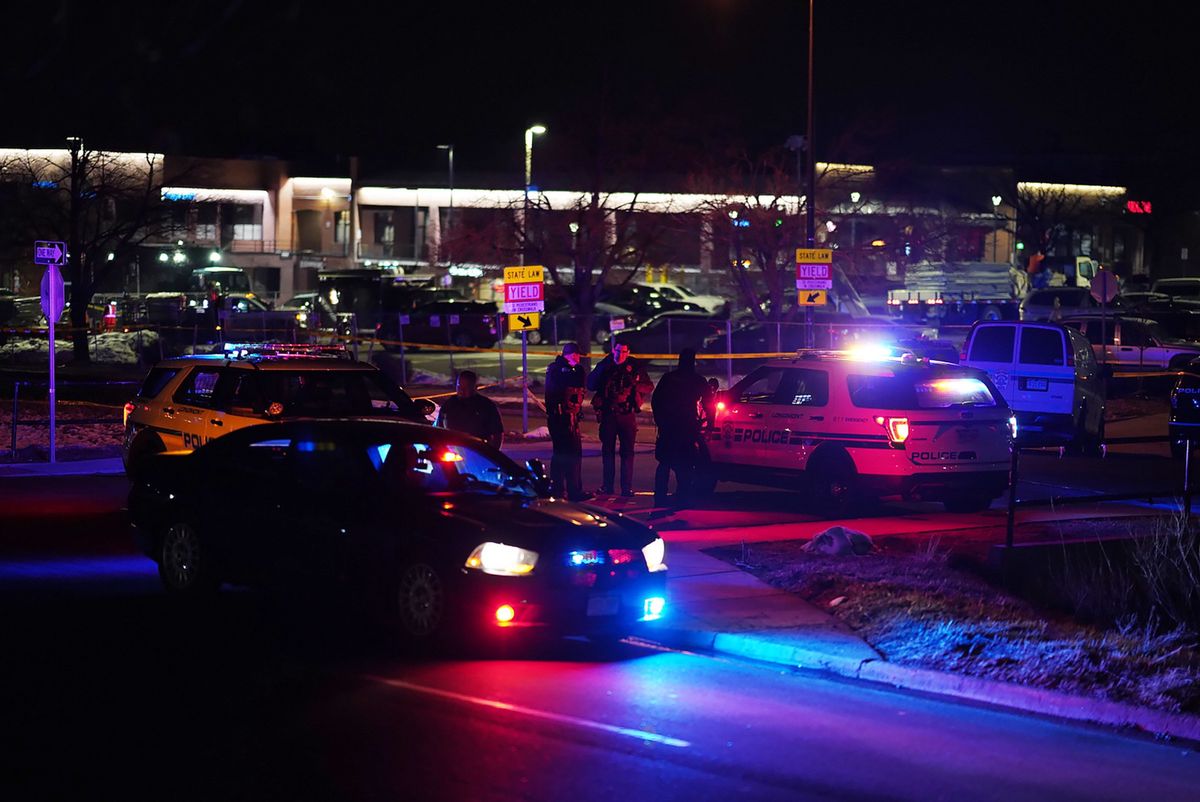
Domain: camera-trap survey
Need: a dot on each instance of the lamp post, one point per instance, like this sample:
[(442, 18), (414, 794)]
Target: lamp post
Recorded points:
[(530, 133), (450, 212), (811, 200), (996, 232)]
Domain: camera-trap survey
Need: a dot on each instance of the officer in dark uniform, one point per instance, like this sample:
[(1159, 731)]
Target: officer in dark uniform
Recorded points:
[(621, 385), (678, 405), (564, 403)]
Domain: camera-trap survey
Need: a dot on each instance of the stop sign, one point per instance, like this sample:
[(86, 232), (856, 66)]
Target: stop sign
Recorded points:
[(1105, 286), (52, 293)]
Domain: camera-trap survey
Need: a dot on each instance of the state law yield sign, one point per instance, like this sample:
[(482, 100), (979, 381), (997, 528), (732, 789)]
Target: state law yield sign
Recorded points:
[(524, 289), (814, 269)]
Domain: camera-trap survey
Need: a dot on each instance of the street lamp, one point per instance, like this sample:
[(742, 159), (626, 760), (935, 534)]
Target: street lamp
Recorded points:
[(450, 212), (530, 133), (996, 232)]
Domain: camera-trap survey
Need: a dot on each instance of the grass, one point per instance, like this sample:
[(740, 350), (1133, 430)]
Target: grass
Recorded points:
[(917, 604)]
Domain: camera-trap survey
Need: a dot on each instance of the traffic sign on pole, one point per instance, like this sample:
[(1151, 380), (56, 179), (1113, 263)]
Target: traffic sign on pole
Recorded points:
[(52, 305), (49, 252), (813, 297), (52, 293), (526, 322), (814, 270), (524, 299)]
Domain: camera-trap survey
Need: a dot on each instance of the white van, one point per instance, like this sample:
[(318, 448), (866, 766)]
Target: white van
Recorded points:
[(1048, 375)]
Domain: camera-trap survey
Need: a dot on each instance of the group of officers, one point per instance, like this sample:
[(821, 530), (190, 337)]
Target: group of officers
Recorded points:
[(682, 403)]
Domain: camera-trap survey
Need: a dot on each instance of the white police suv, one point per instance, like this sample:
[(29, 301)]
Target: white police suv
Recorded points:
[(187, 401), (849, 427)]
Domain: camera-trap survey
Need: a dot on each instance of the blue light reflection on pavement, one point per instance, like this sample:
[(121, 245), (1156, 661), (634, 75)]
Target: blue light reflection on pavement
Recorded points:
[(101, 568)]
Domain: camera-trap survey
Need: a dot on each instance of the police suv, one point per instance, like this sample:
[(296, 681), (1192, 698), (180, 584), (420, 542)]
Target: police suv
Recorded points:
[(854, 427), (187, 401)]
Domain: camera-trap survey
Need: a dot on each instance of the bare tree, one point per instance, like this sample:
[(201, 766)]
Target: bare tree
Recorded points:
[(101, 204)]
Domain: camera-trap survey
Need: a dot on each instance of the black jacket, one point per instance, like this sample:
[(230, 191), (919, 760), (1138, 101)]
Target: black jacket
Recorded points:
[(561, 378), (635, 385), (676, 400)]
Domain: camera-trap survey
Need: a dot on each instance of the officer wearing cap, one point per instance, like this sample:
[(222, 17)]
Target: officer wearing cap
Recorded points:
[(621, 385), (564, 402)]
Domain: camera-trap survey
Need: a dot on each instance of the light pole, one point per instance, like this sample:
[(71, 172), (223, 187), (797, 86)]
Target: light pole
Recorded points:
[(450, 212), (810, 201), (530, 133), (996, 232)]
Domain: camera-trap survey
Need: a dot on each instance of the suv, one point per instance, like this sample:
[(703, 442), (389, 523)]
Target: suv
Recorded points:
[(855, 428), (187, 401), (1133, 343)]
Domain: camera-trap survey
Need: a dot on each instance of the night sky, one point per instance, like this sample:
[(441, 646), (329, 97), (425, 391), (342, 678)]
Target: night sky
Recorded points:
[(1062, 90)]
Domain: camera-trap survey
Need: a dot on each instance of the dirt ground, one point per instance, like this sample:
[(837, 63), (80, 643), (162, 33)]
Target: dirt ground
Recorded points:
[(925, 602)]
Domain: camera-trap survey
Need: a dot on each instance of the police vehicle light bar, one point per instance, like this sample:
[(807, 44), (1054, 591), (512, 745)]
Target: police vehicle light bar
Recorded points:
[(235, 350)]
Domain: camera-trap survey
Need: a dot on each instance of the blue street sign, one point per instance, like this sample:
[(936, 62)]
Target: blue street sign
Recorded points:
[(49, 253)]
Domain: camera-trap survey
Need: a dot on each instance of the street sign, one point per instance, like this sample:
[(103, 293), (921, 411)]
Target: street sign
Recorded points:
[(524, 289), (525, 322), (814, 269), (1105, 286), (49, 253), (813, 297), (616, 324), (52, 293)]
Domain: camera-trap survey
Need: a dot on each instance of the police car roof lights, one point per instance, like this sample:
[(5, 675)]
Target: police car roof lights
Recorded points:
[(243, 350)]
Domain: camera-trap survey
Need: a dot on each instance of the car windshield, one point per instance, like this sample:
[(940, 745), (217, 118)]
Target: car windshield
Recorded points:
[(684, 291), (323, 393), (451, 468), (911, 392)]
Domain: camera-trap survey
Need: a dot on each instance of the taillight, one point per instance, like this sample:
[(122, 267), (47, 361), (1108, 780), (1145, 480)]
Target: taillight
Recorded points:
[(897, 429), (129, 408)]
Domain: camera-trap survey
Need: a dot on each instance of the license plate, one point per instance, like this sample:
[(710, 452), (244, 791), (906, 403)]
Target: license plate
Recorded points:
[(604, 605), (1037, 384)]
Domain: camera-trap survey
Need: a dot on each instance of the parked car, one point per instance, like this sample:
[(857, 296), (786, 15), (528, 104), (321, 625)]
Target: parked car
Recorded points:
[(1133, 343), (466, 324), (851, 429), (831, 330), (680, 293), (188, 401), (1178, 287), (312, 311), (1039, 304), (1184, 423), (646, 301), (1048, 375), (436, 530), (671, 332), (559, 326)]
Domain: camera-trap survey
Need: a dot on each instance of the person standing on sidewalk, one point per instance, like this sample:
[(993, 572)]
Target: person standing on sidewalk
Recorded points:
[(621, 385), (469, 412), (678, 405), (564, 404)]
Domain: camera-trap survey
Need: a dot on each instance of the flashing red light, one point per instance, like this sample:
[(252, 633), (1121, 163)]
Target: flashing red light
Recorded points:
[(622, 556), (1138, 207), (129, 408), (897, 429), (450, 456), (505, 614)]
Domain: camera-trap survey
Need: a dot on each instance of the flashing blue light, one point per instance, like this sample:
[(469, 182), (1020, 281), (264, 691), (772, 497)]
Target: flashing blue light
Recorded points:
[(179, 196), (741, 223), (378, 454), (306, 446), (45, 184), (585, 558), (652, 608)]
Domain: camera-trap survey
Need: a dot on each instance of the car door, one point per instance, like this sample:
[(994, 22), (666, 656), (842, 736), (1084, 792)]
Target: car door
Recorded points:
[(1042, 381), (744, 424), (192, 406), (1102, 334), (239, 402), (1135, 348), (992, 348), (797, 419)]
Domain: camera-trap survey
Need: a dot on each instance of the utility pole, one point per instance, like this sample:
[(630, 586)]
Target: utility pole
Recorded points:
[(810, 199)]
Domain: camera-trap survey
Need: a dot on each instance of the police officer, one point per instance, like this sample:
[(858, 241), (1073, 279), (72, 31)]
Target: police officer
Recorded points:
[(564, 403), (678, 404), (621, 385), (468, 411)]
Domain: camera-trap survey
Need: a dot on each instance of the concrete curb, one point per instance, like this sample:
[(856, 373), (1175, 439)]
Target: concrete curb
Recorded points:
[(1001, 694), (88, 467)]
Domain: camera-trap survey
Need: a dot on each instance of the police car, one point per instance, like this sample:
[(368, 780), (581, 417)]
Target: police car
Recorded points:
[(1184, 422), (850, 426), (187, 401)]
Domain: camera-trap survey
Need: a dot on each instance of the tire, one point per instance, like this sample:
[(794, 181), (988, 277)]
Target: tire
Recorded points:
[(601, 337), (834, 485), (969, 502), (991, 312), (419, 601), (535, 337), (464, 340), (183, 564), (1180, 362)]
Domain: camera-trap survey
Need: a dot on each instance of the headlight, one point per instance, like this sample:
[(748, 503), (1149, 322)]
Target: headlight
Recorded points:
[(655, 552), (502, 560)]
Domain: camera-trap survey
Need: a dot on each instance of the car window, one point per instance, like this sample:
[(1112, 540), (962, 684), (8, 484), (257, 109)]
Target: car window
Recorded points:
[(319, 393), (912, 392), (993, 344), (1041, 347), (199, 388), (155, 381), (805, 388), (327, 465), (241, 392), (1133, 334), (760, 387), (1100, 332), (437, 468)]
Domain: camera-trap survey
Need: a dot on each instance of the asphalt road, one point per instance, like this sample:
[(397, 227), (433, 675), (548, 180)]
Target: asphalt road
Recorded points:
[(110, 690)]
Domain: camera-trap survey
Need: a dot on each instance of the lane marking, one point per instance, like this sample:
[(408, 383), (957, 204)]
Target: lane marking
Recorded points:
[(641, 735)]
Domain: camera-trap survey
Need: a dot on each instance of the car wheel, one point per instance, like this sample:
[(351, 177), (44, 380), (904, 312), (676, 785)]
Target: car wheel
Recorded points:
[(183, 564), (968, 502), (535, 337), (420, 600), (835, 485), (602, 336), (991, 312), (1181, 362), (463, 340)]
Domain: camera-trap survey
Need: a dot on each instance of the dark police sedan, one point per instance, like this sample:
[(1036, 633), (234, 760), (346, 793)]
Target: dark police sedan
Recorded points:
[(439, 531)]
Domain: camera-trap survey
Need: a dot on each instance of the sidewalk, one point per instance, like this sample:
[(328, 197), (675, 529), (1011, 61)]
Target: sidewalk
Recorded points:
[(83, 467)]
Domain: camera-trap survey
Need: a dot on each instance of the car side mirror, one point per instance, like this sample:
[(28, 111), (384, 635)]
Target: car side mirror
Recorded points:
[(425, 406)]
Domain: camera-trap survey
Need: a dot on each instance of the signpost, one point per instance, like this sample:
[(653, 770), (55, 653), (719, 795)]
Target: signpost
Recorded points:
[(52, 255), (814, 280), (524, 301), (1104, 288)]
